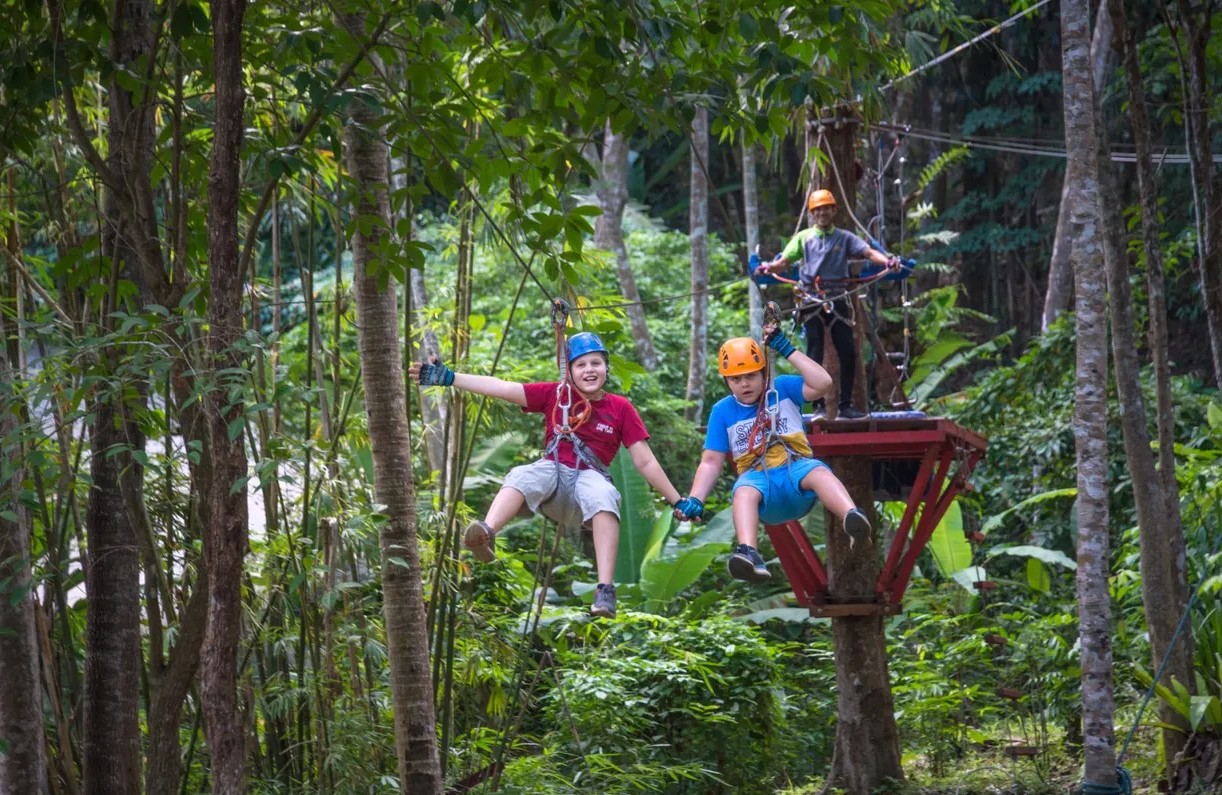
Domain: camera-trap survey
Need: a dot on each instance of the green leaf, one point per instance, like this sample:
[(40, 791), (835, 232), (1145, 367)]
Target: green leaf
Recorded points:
[(637, 516), (663, 578), (1046, 555), (1038, 577), (950, 549), (1213, 413), (1199, 708)]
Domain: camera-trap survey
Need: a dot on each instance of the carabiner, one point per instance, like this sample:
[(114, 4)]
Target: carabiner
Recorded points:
[(560, 313)]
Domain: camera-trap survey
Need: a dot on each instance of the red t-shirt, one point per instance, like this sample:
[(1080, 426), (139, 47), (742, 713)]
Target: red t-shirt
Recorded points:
[(613, 420)]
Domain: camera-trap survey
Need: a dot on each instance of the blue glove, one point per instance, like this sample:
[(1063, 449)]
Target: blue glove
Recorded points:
[(436, 374), (689, 509), (780, 343)]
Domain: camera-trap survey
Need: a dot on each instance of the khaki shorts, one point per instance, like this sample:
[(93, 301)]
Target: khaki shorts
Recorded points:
[(590, 494)]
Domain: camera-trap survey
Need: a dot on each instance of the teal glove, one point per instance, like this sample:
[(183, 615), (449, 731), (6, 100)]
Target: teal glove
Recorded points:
[(689, 509), (436, 374), (780, 343)]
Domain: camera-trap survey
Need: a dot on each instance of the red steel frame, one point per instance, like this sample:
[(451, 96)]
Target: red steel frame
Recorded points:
[(947, 453)]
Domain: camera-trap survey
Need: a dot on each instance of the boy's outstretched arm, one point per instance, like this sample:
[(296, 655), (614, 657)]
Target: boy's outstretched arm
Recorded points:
[(691, 507), (434, 373), (816, 381), (647, 464)]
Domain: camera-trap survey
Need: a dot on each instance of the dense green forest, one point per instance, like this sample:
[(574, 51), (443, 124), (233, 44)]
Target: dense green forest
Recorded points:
[(231, 521)]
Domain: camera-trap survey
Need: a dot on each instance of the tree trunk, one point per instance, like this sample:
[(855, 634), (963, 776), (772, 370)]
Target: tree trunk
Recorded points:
[(23, 764), (867, 749), (225, 536), (1164, 576), (390, 439), (698, 229), (609, 235), (751, 222), (111, 756), (1060, 274), (1195, 27), (1090, 413)]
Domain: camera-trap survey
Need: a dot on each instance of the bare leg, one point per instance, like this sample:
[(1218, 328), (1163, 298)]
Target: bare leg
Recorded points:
[(505, 506), (746, 513), (606, 544), (831, 492)]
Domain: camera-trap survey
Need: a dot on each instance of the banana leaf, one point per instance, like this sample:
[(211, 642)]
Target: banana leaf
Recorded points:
[(637, 517)]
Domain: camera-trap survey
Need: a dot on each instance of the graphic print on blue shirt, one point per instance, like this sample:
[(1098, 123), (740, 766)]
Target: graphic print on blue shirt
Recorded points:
[(730, 424)]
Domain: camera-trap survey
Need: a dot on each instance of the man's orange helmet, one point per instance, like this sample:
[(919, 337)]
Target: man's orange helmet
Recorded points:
[(740, 356), (820, 198)]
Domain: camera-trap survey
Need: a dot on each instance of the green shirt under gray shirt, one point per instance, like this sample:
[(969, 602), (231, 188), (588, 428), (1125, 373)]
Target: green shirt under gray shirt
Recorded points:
[(824, 254)]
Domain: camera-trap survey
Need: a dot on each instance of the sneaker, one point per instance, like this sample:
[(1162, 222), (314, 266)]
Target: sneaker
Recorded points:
[(604, 601), (820, 413), (746, 564), (481, 540), (858, 527), (850, 413)]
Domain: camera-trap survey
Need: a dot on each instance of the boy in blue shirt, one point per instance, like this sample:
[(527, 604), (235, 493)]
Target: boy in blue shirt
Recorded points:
[(779, 479)]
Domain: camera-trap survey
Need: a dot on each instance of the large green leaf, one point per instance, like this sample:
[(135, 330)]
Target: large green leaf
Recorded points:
[(1039, 553), (682, 559), (1038, 577), (636, 517), (950, 549), (663, 578)]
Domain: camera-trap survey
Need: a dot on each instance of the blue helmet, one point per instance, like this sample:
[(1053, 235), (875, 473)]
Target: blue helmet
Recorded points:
[(586, 342)]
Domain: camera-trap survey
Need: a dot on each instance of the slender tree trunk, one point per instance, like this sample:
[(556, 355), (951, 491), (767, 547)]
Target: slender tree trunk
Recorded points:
[(23, 764), (390, 438), (225, 536), (1060, 274), (867, 749), (1164, 575), (113, 663), (112, 620), (609, 235), (698, 224), (1090, 414), (751, 221), (1195, 23)]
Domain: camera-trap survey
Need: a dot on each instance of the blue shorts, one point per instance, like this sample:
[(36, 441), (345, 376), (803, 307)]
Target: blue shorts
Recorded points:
[(784, 498)]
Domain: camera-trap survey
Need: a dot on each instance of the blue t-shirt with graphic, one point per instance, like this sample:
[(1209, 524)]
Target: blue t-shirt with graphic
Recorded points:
[(730, 424)]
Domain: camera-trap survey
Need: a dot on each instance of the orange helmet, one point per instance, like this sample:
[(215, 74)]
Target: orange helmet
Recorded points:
[(740, 356), (820, 198)]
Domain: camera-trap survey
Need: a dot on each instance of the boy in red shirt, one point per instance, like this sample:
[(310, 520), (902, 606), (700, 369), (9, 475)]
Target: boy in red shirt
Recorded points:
[(600, 422)]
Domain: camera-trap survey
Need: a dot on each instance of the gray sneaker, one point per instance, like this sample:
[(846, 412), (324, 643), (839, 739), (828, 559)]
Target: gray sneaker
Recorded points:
[(746, 564), (481, 540), (604, 601), (858, 527)]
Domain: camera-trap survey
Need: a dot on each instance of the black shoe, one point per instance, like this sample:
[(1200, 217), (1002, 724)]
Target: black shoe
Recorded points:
[(746, 564), (604, 601), (850, 413), (858, 527)]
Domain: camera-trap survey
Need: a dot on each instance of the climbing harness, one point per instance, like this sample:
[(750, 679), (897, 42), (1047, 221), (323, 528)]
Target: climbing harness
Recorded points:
[(570, 413), (764, 433)]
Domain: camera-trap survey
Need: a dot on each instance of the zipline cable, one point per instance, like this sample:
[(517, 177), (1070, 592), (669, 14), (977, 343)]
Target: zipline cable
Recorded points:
[(951, 53)]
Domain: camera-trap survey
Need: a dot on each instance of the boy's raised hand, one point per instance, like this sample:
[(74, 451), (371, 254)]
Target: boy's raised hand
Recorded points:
[(776, 339), (689, 509), (431, 373)]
